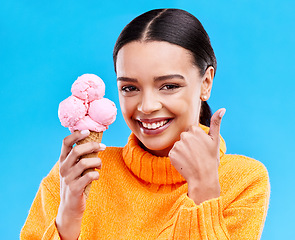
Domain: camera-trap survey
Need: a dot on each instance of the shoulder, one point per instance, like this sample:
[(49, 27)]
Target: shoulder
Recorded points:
[(51, 183), (242, 176), (239, 164)]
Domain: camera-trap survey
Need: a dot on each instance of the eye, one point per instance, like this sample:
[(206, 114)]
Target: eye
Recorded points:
[(170, 87), (129, 88)]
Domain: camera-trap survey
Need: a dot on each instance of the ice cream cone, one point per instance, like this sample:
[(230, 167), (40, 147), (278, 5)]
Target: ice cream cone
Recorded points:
[(93, 137)]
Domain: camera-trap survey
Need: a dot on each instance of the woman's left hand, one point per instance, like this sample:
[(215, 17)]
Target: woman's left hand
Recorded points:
[(196, 157)]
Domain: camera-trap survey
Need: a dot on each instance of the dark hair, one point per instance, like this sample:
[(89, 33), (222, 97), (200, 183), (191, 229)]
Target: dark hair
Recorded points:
[(178, 27)]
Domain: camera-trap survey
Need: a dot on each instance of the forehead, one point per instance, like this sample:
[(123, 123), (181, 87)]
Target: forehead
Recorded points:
[(155, 56)]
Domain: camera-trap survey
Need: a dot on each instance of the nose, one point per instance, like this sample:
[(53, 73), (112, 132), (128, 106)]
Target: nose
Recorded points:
[(149, 103)]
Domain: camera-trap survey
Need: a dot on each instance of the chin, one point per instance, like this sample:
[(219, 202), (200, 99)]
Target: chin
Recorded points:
[(158, 141), (158, 148)]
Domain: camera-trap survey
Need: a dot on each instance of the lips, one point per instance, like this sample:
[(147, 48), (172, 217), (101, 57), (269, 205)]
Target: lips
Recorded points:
[(154, 126)]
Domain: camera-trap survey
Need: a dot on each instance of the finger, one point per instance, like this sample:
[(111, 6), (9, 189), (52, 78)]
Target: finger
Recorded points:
[(70, 140), (86, 179), (79, 150), (215, 122), (83, 165), (77, 186)]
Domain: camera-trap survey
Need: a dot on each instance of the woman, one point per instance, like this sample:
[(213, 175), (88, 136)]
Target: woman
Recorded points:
[(173, 179)]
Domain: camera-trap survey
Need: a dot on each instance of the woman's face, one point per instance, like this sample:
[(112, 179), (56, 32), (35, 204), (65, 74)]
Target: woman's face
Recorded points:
[(159, 92)]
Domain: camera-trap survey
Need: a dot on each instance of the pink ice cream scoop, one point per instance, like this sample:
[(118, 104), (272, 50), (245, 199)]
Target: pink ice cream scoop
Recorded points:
[(88, 87), (71, 110), (102, 111), (87, 123), (86, 108)]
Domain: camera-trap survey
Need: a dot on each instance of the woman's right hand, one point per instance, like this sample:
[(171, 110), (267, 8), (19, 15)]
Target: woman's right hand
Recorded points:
[(72, 183)]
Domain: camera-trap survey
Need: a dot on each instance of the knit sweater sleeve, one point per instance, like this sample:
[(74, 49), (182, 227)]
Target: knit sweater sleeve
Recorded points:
[(40, 223), (239, 213)]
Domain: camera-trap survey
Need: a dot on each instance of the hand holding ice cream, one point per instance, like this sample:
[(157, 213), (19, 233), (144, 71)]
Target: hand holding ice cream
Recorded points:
[(87, 109)]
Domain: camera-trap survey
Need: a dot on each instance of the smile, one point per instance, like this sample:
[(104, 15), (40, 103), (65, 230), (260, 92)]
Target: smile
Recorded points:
[(154, 126)]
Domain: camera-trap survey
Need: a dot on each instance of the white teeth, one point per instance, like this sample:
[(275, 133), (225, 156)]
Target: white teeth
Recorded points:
[(154, 125)]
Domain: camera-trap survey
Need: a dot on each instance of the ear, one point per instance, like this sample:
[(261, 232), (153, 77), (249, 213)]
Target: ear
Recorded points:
[(206, 85)]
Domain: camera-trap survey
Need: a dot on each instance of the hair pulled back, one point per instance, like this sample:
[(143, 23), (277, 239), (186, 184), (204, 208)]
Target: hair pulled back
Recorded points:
[(178, 27)]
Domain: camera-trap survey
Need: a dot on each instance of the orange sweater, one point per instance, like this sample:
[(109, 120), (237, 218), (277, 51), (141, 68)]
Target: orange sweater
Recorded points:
[(141, 196)]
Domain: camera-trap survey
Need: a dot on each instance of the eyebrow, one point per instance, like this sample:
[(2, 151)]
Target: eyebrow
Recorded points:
[(156, 79), (170, 76), (126, 79)]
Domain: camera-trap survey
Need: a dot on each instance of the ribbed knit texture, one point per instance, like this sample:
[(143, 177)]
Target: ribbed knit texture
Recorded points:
[(141, 196)]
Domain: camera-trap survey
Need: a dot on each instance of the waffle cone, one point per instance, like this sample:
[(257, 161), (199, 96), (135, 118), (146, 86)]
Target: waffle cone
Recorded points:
[(93, 137)]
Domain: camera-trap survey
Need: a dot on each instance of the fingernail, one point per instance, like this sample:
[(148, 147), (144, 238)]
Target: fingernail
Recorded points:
[(222, 112), (102, 146), (85, 132)]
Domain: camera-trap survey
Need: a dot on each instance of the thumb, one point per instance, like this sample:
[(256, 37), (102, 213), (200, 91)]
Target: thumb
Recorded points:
[(215, 123)]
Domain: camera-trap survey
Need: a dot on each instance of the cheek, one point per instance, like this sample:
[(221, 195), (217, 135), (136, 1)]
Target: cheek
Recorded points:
[(185, 105), (126, 110), (128, 106)]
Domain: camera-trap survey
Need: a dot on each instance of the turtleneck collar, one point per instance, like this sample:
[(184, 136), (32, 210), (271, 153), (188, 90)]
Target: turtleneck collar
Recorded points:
[(151, 168)]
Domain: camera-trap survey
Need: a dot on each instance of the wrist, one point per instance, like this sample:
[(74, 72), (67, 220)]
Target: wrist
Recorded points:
[(200, 193), (68, 228)]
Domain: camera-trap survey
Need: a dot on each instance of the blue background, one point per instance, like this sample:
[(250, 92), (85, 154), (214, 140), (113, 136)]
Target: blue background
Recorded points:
[(46, 45)]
